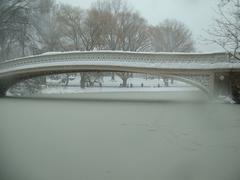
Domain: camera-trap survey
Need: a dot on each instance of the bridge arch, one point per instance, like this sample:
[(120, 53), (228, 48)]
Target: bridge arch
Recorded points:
[(191, 82), (32, 73)]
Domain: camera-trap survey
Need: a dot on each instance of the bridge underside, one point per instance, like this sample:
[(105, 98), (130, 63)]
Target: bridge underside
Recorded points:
[(200, 79)]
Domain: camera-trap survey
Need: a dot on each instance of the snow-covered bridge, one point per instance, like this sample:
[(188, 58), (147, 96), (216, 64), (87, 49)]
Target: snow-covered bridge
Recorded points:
[(208, 72)]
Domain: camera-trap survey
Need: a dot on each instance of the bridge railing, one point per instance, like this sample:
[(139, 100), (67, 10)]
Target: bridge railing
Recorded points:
[(115, 58)]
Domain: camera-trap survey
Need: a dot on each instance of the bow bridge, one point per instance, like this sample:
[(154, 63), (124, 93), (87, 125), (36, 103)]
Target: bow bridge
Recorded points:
[(213, 72)]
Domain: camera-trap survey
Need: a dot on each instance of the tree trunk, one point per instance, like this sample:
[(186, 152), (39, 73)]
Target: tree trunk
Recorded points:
[(83, 80), (113, 76), (43, 80), (67, 80), (235, 85), (166, 82), (91, 84), (124, 82)]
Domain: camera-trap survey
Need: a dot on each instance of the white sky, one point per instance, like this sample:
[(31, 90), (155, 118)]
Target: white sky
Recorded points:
[(198, 15)]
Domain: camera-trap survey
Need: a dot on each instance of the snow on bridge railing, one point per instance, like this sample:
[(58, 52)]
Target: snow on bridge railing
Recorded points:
[(118, 58)]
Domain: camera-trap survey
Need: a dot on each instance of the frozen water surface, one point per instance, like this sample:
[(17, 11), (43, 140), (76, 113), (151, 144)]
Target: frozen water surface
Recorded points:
[(59, 139)]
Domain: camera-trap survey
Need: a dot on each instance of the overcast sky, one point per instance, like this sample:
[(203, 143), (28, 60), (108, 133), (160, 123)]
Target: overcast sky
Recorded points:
[(198, 15)]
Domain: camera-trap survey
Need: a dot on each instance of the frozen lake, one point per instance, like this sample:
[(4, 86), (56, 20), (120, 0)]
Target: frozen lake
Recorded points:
[(119, 136)]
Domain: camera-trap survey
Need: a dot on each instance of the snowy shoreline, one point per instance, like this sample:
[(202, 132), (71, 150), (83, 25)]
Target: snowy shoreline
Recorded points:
[(73, 90)]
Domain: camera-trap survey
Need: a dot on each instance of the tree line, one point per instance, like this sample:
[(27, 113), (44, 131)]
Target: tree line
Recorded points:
[(30, 27)]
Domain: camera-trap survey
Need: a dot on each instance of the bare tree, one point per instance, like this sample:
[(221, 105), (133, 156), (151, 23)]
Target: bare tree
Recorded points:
[(93, 77), (108, 12), (81, 30), (92, 31), (171, 36), (10, 10), (70, 21), (226, 30), (124, 76), (14, 19), (46, 25), (132, 32), (120, 28), (132, 36)]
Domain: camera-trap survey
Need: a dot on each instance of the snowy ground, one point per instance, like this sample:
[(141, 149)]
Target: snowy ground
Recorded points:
[(136, 81), (109, 85), (62, 90)]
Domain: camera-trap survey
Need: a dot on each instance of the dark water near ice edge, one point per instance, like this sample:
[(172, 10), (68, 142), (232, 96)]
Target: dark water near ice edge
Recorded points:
[(160, 138)]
